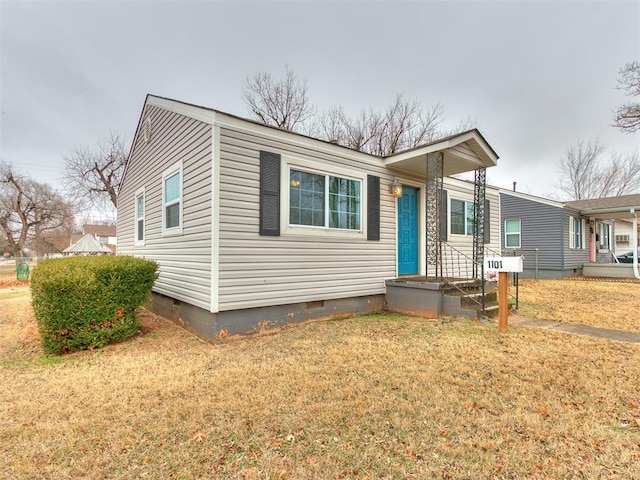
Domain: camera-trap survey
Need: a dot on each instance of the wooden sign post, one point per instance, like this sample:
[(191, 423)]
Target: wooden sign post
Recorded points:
[(503, 303), (502, 265)]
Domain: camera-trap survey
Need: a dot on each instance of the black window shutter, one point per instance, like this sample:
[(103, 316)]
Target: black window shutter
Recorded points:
[(373, 207), (269, 193), (444, 220), (486, 230)]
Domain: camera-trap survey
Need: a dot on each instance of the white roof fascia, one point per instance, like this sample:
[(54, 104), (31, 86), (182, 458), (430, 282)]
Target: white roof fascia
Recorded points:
[(221, 119), (533, 198), (191, 111), (443, 145), (292, 138)]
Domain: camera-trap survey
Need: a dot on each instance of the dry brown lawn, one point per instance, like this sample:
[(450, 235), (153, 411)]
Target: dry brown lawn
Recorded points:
[(380, 396), (598, 303)]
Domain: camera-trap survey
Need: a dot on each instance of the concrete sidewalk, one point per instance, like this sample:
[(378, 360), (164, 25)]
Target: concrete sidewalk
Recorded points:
[(577, 329)]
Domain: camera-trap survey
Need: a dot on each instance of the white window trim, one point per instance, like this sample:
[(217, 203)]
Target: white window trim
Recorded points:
[(459, 198), (136, 242), (310, 230), (175, 168), (512, 233), (603, 227), (572, 234)]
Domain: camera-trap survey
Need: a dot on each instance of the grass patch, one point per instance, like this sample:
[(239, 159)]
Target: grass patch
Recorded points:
[(595, 303), (378, 396)]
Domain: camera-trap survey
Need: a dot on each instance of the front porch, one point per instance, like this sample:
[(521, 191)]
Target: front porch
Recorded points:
[(434, 277)]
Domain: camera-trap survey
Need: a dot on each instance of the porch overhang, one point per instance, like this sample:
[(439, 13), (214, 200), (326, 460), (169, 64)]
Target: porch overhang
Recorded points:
[(621, 213), (463, 152), (609, 208)]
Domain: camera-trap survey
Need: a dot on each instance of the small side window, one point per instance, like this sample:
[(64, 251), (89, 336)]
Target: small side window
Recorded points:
[(140, 220), (172, 200), (512, 237)]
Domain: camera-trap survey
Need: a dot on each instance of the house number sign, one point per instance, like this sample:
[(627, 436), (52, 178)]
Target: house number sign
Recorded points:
[(503, 264)]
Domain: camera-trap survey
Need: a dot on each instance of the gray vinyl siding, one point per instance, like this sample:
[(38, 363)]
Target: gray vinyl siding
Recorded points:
[(542, 227), (575, 257), (256, 271), (184, 259)]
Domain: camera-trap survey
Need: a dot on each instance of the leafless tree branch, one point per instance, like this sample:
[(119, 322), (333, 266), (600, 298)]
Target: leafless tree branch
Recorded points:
[(584, 174), (29, 209), (627, 116), (280, 103), (92, 176)]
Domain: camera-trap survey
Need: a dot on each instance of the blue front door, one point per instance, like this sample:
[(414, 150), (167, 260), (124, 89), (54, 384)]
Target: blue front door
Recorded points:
[(408, 231)]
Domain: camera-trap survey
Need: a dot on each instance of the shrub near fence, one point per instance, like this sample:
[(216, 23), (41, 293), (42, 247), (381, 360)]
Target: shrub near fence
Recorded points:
[(89, 302)]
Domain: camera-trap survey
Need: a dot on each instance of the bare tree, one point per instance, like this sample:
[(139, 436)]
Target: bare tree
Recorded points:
[(29, 209), (400, 126), (627, 116), (280, 103), (584, 174), (622, 175), (92, 176)]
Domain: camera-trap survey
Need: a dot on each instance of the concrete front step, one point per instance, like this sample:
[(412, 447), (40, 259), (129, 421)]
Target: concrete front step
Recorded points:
[(471, 298), (469, 303)]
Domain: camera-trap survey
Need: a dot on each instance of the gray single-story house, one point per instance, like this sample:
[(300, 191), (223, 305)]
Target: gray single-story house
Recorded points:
[(560, 238), (253, 226)]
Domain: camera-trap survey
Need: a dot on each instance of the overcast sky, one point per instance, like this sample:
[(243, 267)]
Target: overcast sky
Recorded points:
[(536, 76)]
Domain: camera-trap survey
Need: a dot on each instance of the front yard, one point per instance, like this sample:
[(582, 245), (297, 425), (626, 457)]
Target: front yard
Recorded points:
[(598, 303), (379, 396)]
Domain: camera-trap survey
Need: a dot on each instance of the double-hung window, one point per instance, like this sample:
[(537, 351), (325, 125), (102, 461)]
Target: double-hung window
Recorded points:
[(139, 211), (327, 201), (576, 233), (172, 199), (512, 235), (461, 217)]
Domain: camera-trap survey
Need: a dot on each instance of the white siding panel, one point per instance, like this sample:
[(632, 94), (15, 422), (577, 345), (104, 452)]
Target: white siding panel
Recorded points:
[(261, 270), (185, 260), (464, 191)]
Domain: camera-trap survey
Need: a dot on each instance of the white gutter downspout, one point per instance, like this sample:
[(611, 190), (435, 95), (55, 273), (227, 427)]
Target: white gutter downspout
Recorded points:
[(634, 234)]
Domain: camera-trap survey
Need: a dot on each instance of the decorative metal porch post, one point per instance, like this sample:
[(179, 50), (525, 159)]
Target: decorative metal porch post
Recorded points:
[(433, 213), (479, 197)]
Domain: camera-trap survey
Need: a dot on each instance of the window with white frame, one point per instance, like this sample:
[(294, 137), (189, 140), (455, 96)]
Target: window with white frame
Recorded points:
[(605, 236), (172, 199), (139, 208), (461, 217), (577, 228), (512, 229), (328, 201)]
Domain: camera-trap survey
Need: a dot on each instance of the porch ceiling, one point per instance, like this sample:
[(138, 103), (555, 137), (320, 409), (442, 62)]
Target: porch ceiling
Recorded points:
[(464, 152)]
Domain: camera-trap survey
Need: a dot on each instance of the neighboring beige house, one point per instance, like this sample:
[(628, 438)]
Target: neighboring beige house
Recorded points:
[(255, 226), (624, 236)]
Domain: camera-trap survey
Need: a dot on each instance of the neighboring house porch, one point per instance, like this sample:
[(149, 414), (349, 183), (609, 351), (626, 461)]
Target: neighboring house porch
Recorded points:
[(604, 214)]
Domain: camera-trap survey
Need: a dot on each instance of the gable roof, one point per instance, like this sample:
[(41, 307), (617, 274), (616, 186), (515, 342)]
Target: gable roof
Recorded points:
[(476, 151), (462, 152), (88, 244)]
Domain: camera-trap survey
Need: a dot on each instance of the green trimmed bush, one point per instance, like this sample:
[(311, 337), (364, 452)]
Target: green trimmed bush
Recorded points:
[(89, 302)]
